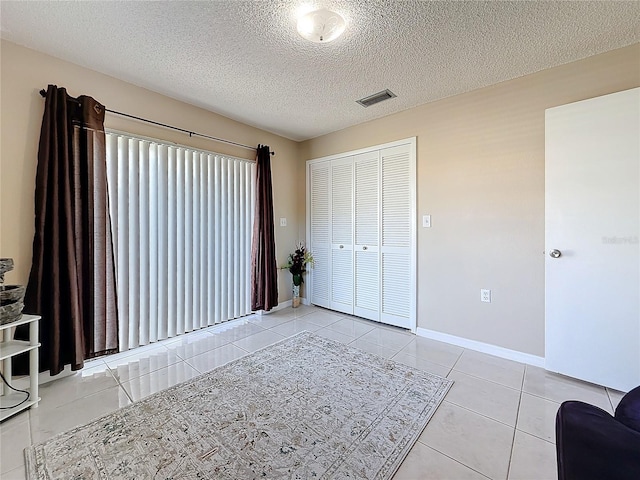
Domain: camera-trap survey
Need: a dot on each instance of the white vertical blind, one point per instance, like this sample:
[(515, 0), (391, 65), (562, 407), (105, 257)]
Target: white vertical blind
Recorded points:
[(182, 222)]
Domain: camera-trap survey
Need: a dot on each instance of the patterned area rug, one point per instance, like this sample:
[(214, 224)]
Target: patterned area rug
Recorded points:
[(303, 408)]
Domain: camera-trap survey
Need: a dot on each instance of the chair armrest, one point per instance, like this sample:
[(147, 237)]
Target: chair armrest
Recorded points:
[(592, 445), (628, 411)]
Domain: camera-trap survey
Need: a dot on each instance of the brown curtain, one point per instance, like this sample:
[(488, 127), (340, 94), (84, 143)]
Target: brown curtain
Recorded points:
[(264, 271), (72, 284)]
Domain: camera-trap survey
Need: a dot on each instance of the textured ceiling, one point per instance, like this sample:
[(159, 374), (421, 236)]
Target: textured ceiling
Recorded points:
[(245, 59)]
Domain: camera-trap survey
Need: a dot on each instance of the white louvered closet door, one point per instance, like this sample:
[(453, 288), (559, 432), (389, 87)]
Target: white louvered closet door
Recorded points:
[(366, 247), (342, 235), (362, 231), (398, 230), (320, 244)]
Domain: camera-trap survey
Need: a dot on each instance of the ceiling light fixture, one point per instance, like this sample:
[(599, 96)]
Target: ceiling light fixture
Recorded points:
[(321, 26)]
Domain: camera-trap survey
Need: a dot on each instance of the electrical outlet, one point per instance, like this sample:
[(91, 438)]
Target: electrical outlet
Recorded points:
[(485, 295), (283, 222)]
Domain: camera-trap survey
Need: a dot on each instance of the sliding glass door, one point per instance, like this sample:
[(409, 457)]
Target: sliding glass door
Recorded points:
[(182, 222)]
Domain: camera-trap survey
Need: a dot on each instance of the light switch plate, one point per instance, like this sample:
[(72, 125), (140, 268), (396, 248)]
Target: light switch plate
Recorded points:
[(426, 221), (283, 222)]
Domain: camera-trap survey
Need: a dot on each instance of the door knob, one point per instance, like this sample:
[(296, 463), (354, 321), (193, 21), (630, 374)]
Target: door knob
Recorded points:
[(364, 248), (555, 253), (341, 246)]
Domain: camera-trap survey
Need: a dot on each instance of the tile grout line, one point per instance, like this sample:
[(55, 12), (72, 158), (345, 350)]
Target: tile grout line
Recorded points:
[(480, 414), (451, 458), (453, 367), (515, 428), (488, 380), (426, 360)]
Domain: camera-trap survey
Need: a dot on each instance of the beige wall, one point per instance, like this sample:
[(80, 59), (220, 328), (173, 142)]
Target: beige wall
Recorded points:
[(480, 175), (24, 72)]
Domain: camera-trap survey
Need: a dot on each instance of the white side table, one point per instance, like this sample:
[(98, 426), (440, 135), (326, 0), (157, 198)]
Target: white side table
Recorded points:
[(10, 348)]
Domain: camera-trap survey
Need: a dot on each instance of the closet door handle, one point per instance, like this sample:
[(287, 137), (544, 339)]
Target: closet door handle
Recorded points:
[(364, 248), (341, 246)]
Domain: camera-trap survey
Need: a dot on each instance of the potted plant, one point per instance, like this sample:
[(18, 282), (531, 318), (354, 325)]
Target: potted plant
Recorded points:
[(296, 264)]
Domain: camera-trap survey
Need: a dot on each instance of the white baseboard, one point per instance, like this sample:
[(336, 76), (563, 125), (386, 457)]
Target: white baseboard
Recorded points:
[(23, 381), (482, 347), (282, 305)]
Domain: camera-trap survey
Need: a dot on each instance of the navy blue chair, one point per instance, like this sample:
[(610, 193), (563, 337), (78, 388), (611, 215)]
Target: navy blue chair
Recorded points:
[(593, 445)]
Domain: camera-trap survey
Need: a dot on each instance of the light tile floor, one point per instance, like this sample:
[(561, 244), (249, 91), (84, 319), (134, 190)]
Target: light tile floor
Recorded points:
[(496, 422)]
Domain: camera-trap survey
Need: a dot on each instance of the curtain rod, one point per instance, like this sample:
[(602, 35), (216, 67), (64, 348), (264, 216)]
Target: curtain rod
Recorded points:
[(43, 93)]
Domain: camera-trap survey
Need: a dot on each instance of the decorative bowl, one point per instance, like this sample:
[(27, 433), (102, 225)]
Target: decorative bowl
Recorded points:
[(11, 293), (11, 312), (6, 265)]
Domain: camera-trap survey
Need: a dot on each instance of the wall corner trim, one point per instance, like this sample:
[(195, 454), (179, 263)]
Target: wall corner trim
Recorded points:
[(501, 352)]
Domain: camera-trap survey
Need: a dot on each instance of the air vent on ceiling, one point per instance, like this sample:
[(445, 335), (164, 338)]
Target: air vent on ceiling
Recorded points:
[(376, 98)]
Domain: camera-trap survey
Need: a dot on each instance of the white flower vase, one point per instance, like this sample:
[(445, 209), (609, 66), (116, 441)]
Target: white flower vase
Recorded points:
[(295, 301)]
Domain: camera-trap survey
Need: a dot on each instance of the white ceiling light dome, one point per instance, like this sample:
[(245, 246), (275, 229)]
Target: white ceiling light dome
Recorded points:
[(321, 26)]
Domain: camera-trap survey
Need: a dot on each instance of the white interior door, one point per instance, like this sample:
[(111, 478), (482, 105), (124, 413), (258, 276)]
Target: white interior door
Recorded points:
[(342, 235), (397, 233), (366, 228), (592, 289), (319, 214)]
